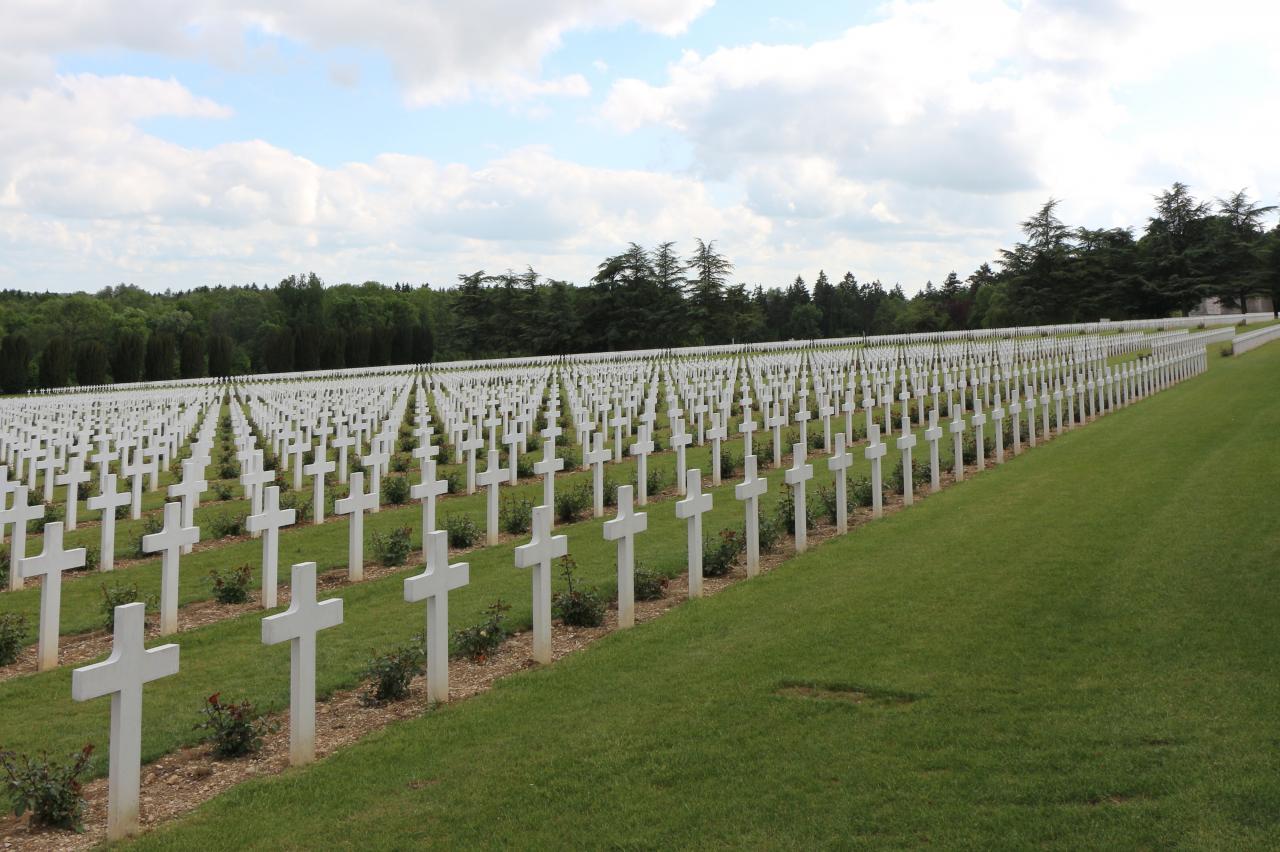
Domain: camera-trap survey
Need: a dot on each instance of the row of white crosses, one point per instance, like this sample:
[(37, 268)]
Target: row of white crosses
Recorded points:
[(130, 665)]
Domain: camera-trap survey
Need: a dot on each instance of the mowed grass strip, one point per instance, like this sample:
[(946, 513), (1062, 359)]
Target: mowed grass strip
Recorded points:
[(1075, 651)]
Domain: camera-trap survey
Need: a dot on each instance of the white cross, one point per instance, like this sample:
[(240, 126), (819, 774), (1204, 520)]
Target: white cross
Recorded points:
[(427, 491), (298, 625), (691, 509), (50, 564), (106, 503), (317, 470), (979, 421), (74, 475), (538, 554), (906, 441), (840, 462), (169, 542), (188, 492), (776, 422), (749, 491), (374, 462), (342, 443), (875, 451), (356, 504), (471, 445), (716, 433), (122, 676), (596, 458), (623, 529), (997, 418), (679, 441), (796, 476), (270, 520), (747, 427), (640, 450), (253, 477), (433, 585), (18, 513), (134, 470), (957, 443), (492, 477)]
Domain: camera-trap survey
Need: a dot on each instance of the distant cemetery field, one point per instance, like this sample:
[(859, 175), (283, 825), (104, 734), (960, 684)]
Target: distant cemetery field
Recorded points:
[(1013, 588), (1076, 651)]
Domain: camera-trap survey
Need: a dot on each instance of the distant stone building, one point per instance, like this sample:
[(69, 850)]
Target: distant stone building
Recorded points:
[(1212, 307)]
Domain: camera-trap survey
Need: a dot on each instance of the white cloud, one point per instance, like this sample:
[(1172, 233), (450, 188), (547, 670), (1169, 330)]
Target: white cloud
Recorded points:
[(441, 50), (87, 199)]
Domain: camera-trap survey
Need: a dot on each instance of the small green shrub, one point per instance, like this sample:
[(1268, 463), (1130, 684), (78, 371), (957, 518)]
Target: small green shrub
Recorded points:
[(577, 606), (393, 547), (389, 673), (222, 491), (1227, 350), (786, 511), (477, 642), (400, 462), (114, 596), (649, 584), (826, 507), (516, 516), (229, 469), (395, 490), (4, 566), (462, 529), (13, 636), (920, 476), (234, 729), (524, 466), (50, 791), (52, 512), (728, 464), (151, 524), (225, 525), (84, 490), (860, 491), (816, 438), (770, 534), (231, 585), (719, 553), (454, 478), (92, 558), (571, 502)]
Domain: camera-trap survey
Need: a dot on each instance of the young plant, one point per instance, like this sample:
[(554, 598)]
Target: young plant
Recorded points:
[(571, 502), (234, 729), (392, 548), (786, 511), (13, 636), (719, 553), (577, 607), (395, 490), (115, 596), (462, 529), (225, 525), (50, 791), (649, 584), (477, 642), (231, 585), (389, 673), (517, 515)]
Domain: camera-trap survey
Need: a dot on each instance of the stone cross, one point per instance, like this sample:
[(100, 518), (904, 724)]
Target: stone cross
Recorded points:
[(106, 503), (747, 427), (906, 441), (538, 555), (776, 422), (50, 564), (74, 475), (512, 437), (679, 441), (188, 492), (691, 509), (796, 476), (356, 504), (979, 421), (492, 477), (18, 513), (640, 450), (317, 470), (427, 491), (623, 529), (716, 433), (596, 458), (997, 424), (342, 444), (374, 462), (122, 676), (471, 445), (957, 443), (749, 491), (838, 464), (874, 452), (169, 542), (433, 585), (270, 520), (298, 625), (547, 468)]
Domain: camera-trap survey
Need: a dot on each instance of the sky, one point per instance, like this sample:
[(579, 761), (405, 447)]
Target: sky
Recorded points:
[(178, 143)]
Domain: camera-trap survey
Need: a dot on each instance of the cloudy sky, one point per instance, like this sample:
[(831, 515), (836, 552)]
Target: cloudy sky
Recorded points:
[(174, 143)]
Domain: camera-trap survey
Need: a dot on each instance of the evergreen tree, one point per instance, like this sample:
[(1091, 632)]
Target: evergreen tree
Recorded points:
[(55, 363), (129, 356), (710, 273), (191, 355), (91, 363), (15, 363)]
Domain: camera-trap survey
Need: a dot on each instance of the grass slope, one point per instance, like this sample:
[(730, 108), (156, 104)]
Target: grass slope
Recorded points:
[(1075, 651)]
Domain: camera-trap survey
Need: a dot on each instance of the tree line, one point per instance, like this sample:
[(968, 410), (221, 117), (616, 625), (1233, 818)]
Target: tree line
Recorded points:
[(642, 298)]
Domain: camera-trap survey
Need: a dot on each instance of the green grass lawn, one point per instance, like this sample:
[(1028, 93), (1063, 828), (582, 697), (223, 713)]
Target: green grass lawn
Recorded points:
[(1074, 651)]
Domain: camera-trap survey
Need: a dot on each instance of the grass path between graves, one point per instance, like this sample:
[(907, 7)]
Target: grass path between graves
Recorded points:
[(1074, 651)]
